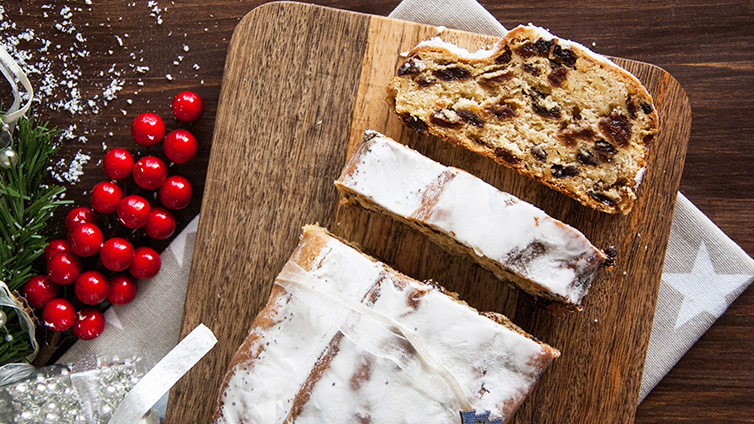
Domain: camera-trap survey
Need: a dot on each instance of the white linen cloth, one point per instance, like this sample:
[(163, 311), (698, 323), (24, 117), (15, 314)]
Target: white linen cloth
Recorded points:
[(705, 271)]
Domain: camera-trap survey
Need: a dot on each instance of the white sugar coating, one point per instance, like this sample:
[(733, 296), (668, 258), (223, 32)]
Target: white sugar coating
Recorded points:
[(458, 51), (437, 42), (377, 174), (494, 365), (494, 224)]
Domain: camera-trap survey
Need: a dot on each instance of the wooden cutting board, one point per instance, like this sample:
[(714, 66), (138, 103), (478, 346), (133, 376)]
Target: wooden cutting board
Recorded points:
[(301, 84)]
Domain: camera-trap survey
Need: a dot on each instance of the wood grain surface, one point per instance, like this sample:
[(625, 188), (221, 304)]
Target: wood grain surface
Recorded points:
[(289, 159), (705, 45)]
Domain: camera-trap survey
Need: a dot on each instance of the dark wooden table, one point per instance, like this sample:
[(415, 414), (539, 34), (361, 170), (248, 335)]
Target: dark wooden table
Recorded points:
[(705, 45)]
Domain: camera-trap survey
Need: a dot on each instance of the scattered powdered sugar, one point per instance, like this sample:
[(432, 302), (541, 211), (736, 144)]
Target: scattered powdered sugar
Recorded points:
[(75, 169)]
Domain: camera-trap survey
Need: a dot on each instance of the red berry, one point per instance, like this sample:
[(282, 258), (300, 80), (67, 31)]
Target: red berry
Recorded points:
[(89, 324), (123, 289), (85, 240), (187, 106), (147, 129), (59, 315), (116, 254), (117, 164), (39, 291), (150, 172), (160, 224), (91, 287), (175, 193), (80, 216), (105, 197), (146, 263), (63, 268), (180, 146), (133, 211), (54, 247)]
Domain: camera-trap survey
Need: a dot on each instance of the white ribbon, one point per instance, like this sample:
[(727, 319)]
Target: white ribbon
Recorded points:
[(7, 299), (12, 71), (138, 402), (293, 274)]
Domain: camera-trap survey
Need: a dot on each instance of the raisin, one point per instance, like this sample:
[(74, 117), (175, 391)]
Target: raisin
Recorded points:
[(532, 69), (411, 66), (611, 252), (586, 157), (564, 56), (604, 150), (526, 50), (507, 156), (445, 118), (502, 111), (415, 124), (552, 113), (425, 81), (539, 153), (570, 138), (576, 113), (631, 109), (496, 79), (557, 76), (603, 198), (646, 108), (560, 171), (452, 73), (504, 57), (616, 128), (534, 94), (470, 118), (543, 47)]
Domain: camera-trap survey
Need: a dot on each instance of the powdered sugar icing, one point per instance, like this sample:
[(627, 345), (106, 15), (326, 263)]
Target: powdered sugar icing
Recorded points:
[(494, 365), (495, 224)]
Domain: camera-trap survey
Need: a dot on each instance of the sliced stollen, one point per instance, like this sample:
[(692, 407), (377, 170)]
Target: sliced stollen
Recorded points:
[(346, 339), (511, 238), (549, 108)]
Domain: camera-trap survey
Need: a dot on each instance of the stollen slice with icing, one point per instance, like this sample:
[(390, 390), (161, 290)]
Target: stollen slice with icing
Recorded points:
[(548, 108), (515, 240), (346, 339)]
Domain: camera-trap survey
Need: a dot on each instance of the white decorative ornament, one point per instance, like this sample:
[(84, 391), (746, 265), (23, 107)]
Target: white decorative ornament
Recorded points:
[(12, 72), (703, 289)]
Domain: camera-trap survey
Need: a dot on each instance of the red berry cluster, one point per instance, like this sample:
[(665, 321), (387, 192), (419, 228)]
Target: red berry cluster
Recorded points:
[(118, 258)]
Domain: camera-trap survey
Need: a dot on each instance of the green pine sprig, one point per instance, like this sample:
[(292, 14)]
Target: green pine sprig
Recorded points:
[(25, 207)]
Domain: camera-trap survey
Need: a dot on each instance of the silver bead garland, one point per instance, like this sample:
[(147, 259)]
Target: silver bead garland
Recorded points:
[(56, 394)]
